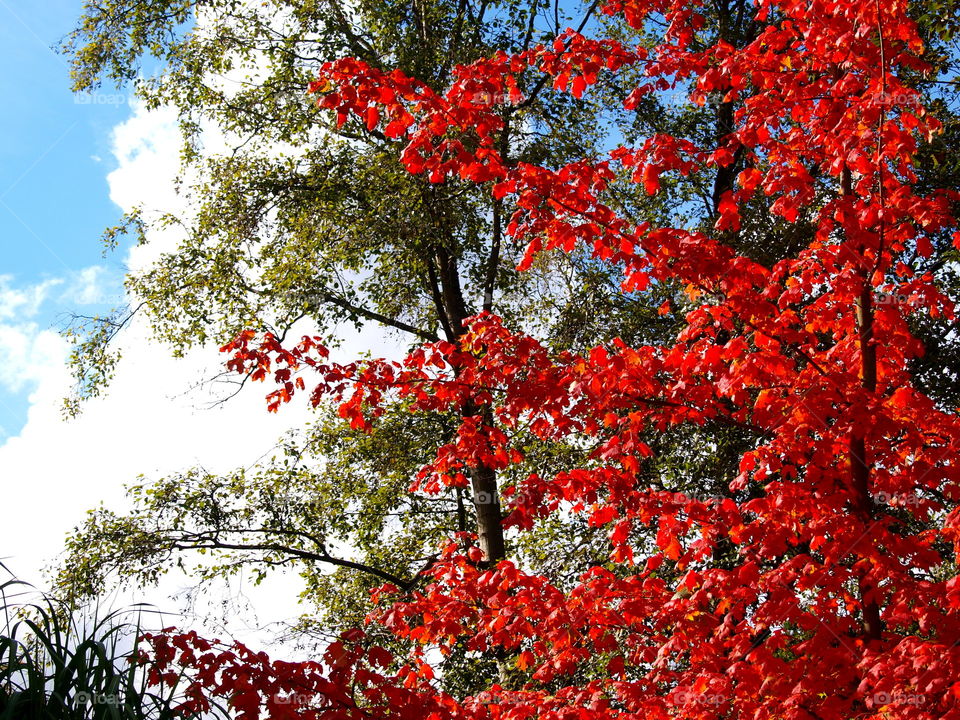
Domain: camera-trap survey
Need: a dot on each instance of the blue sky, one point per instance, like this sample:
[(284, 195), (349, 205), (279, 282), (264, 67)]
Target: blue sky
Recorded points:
[(54, 159)]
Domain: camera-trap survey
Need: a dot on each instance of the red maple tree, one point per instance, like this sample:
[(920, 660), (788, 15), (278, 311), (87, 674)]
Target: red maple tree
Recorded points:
[(842, 599)]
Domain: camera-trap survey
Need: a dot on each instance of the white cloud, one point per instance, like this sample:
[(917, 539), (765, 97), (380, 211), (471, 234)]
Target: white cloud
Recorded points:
[(28, 355), (146, 423), (150, 421), (19, 303), (94, 285), (147, 149), (31, 352)]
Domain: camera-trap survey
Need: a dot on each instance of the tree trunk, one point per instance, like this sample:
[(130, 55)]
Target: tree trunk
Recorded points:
[(859, 466), (486, 495), (486, 498)]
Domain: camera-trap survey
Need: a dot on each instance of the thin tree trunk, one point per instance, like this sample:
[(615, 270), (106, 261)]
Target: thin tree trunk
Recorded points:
[(486, 497), (859, 467)]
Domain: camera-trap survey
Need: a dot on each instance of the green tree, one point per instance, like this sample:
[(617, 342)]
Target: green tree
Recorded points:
[(304, 220)]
